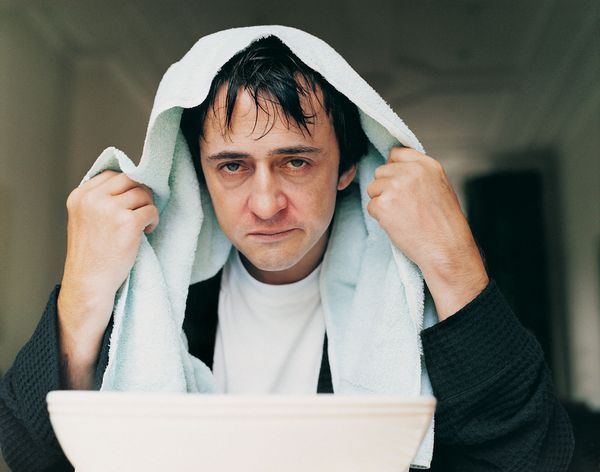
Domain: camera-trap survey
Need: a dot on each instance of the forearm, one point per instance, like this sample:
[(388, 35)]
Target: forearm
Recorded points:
[(80, 335), (497, 409)]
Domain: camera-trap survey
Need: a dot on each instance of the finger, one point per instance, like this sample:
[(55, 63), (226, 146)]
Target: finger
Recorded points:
[(99, 179), (404, 154), (372, 208), (119, 184), (391, 169), (135, 198), (376, 187), (147, 217)]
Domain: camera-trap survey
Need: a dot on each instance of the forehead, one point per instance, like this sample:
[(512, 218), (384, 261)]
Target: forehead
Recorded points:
[(264, 118)]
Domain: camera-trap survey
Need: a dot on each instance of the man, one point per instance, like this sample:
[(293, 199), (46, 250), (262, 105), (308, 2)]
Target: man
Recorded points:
[(277, 147)]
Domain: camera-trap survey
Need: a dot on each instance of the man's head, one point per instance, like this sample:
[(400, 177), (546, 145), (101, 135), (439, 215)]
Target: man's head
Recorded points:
[(274, 143)]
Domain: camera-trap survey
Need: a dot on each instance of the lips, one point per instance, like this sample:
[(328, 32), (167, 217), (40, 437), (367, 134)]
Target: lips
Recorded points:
[(271, 235), (270, 232)]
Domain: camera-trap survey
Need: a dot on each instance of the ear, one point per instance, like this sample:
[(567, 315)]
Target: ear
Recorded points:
[(346, 178)]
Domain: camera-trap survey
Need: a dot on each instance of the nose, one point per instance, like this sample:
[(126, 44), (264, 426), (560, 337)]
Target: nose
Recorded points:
[(266, 198)]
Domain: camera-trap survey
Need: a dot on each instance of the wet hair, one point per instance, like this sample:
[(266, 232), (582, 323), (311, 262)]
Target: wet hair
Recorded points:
[(276, 79)]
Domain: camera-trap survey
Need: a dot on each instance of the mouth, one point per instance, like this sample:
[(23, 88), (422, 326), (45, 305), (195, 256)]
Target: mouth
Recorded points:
[(271, 235)]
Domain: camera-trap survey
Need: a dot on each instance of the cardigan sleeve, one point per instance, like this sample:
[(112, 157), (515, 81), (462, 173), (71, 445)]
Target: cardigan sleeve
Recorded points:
[(27, 438), (26, 435), (497, 409)]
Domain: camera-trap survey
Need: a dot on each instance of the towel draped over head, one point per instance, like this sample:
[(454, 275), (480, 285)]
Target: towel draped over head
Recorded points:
[(373, 295)]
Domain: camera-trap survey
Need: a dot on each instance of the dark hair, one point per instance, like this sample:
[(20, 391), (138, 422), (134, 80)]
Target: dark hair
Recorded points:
[(269, 71)]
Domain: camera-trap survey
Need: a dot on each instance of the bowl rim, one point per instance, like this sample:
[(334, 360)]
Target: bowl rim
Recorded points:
[(82, 399)]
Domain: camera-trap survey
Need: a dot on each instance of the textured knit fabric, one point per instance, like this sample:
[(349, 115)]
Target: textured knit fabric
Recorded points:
[(497, 410), (269, 337), (27, 439)]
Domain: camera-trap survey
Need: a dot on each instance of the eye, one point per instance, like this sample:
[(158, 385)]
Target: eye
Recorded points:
[(297, 163), (231, 167)]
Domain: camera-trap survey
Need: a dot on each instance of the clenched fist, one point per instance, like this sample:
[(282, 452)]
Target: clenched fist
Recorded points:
[(106, 218), (413, 201)]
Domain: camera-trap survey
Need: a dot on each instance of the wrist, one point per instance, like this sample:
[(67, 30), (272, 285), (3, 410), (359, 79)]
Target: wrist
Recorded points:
[(78, 347), (453, 284), (82, 320), (76, 372)]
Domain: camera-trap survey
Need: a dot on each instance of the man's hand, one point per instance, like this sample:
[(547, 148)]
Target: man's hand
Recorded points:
[(106, 218), (415, 204)]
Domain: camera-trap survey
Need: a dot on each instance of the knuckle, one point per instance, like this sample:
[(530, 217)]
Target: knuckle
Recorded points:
[(397, 183), (124, 219), (87, 200), (126, 180), (372, 208), (73, 199), (419, 170), (437, 165), (120, 177), (403, 152), (140, 194), (398, 150), (370, 189), (383, 201), (148, 192)]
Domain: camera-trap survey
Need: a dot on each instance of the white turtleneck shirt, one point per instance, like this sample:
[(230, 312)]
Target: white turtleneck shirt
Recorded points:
[(269, 337)]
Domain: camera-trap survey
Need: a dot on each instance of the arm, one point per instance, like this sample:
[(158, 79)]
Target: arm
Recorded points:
[(497, 409), (26, 435), (496, 406), (106, 215)]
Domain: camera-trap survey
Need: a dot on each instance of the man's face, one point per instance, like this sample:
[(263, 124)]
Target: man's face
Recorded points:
[(274, 194)]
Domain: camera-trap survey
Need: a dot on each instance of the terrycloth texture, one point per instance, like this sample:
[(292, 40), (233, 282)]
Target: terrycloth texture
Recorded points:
[(373, 297)]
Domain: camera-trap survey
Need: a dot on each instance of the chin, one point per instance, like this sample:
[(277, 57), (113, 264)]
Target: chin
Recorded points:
[(273, 260), (273, 264)]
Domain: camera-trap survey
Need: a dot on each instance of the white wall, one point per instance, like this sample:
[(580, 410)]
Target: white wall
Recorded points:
[(106, 111), (33, 124), (573, 125), (33, 88), (580, 179)]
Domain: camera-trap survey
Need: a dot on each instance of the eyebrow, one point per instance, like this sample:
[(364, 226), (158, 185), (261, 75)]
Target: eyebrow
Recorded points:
[(283, 150)]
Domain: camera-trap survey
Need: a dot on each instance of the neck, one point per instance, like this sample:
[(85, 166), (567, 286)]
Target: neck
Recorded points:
[(295, 273)]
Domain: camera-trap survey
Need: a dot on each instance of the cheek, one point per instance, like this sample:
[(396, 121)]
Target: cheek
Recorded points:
[(229, 210), (315, 202), (225, 202)]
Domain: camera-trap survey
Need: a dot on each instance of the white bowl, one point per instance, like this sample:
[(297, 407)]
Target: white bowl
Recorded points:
[(147, 432)]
